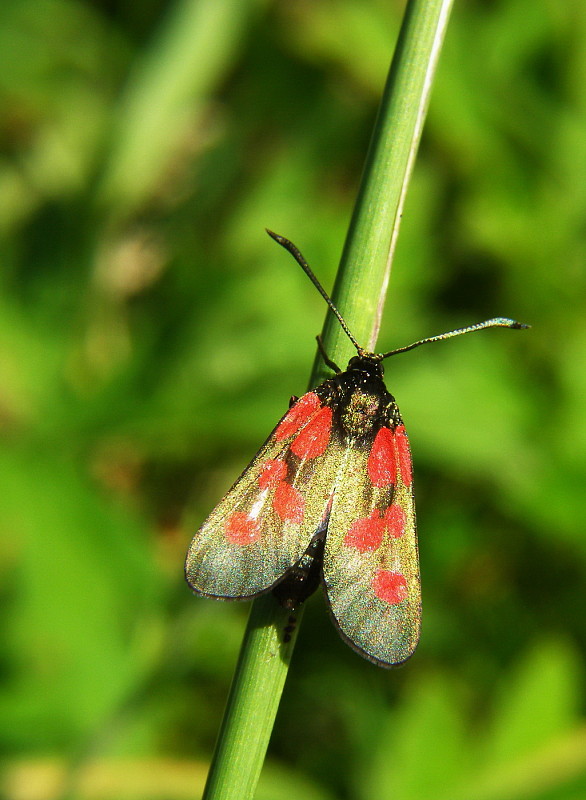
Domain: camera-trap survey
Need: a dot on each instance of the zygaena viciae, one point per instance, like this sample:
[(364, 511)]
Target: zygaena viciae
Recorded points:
[(328, 496)]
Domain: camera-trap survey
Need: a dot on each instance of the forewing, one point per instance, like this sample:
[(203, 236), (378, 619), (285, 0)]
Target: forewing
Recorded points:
[(264, 524), (371, 569)]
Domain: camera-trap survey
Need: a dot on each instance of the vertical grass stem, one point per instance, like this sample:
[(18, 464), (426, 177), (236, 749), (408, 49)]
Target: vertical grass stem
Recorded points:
[(359, 294)]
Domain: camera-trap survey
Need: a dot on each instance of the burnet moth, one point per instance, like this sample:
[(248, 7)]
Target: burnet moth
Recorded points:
[(329, 496)]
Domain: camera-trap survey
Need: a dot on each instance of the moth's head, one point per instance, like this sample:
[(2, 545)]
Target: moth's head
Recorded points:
[(368, 364)]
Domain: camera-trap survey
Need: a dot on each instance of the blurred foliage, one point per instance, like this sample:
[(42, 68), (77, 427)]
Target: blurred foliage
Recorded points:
[(151, 335)]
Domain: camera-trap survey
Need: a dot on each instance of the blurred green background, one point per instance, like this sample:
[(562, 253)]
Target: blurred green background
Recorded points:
[(151, 335)]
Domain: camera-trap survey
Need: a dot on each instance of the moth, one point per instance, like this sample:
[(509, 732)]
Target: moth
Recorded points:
[(328, 497)]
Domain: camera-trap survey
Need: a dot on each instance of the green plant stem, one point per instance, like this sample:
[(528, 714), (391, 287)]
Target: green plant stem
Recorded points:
[(363, 276), (359, 293), (252, 705)]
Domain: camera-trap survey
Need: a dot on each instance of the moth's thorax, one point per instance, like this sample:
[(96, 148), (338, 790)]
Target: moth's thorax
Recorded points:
[(359, 412), (360, 399)]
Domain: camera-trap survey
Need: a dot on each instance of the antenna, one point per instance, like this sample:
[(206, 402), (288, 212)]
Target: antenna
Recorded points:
[(496, 322), (296, 253)]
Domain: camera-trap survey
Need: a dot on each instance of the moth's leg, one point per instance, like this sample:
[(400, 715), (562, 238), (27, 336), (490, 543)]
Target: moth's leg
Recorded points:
[(327, 360)]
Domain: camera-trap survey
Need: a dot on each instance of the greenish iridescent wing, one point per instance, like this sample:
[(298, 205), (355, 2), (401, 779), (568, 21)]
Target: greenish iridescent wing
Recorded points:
[(371, 569), (264, 524)]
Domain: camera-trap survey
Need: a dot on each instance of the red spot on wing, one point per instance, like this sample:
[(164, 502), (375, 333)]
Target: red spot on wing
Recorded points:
[(241, 529), (312, 441), (298, 416), (395, 520), (391, 587), (404, 455), (289, 503), (382, 461), (366, 533), (272, 471)]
